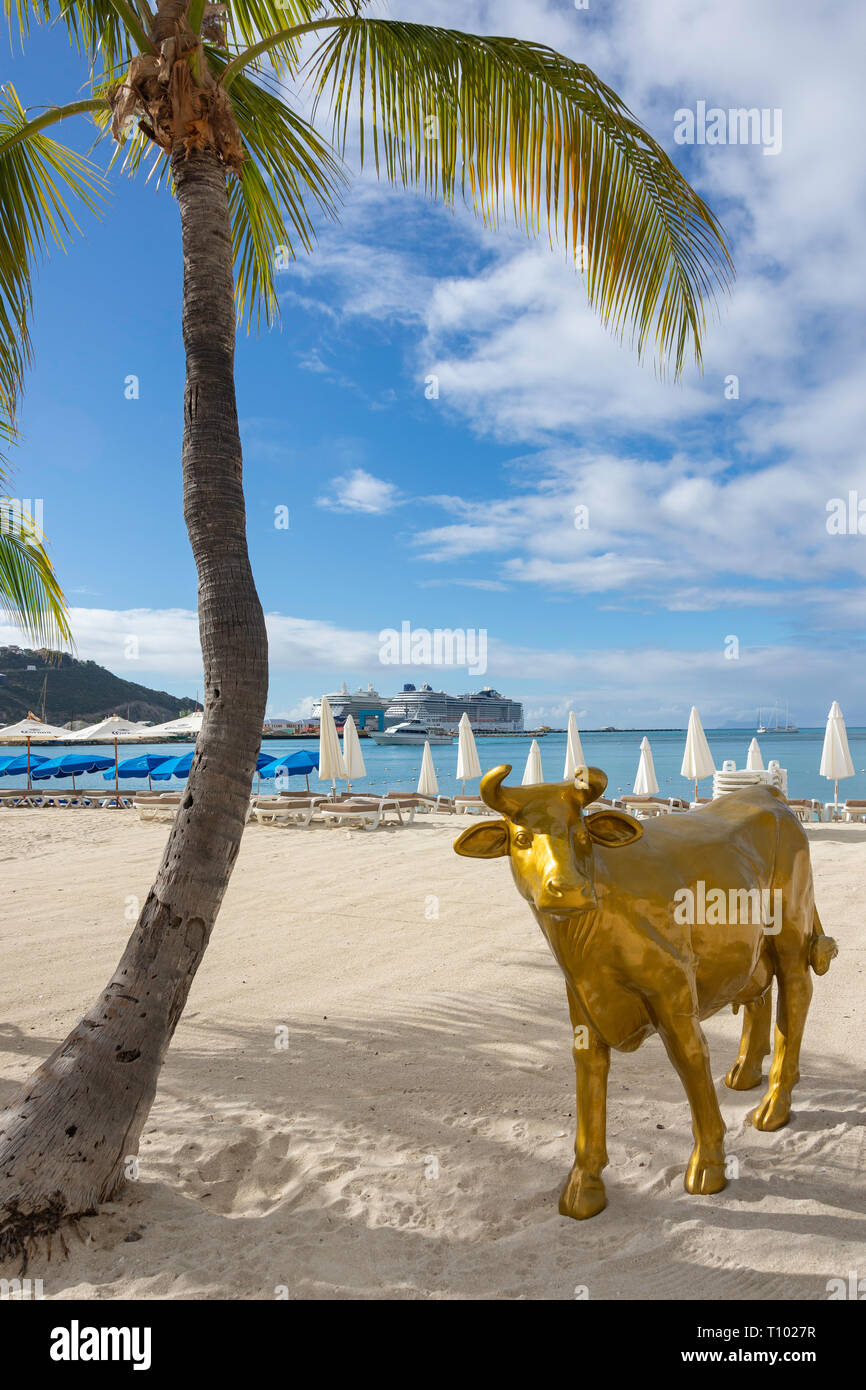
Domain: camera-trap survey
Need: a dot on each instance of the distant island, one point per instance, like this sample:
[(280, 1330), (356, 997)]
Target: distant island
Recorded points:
[(73, 691)]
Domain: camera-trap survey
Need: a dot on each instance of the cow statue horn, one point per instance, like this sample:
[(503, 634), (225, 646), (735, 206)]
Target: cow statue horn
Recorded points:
[(494, 795)]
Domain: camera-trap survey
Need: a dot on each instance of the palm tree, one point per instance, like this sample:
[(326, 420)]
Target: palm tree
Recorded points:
[(206, 91)]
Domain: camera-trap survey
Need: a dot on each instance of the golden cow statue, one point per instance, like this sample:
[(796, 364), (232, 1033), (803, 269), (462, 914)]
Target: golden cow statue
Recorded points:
[(616, 900)]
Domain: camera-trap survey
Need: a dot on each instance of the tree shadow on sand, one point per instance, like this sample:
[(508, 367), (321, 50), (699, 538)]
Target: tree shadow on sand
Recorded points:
[(421, 1155)]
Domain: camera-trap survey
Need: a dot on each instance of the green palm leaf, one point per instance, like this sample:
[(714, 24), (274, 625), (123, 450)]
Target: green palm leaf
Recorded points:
[(36, 176), (503, 122), (107, 31), (30, 595), (290, 172)]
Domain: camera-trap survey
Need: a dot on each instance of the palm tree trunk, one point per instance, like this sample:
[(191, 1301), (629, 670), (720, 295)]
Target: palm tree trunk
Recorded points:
[(65, 1138)]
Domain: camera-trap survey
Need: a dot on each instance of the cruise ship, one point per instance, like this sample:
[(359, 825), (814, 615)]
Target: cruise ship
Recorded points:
[(488, 710)]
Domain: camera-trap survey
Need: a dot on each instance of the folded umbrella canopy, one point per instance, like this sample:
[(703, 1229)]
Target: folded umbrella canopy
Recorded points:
[(428, 784), (352, 755), (468, 766), (646, 782), (573, 751), (836, 760), (754, 761), (697, 758), (331, 763), (69, 765), (533, 773)]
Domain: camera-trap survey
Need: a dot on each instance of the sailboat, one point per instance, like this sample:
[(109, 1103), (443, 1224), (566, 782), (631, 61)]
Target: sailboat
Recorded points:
[(777, 728)]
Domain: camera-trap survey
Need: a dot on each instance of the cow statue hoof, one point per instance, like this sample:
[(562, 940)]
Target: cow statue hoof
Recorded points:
[(774, 1111), (582, 1196), (705, 1174), (744, 1075)]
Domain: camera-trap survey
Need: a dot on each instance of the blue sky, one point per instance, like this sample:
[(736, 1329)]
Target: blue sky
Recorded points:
[(707, 515)]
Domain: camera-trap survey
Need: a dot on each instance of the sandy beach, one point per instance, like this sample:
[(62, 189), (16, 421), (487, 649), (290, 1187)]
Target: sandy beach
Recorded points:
[(410, 1138)]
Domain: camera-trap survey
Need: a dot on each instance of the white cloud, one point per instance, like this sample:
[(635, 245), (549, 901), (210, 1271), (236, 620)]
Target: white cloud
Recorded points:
[(360, 491)]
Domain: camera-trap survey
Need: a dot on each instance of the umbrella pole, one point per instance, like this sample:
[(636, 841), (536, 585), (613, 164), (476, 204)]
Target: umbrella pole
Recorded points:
[(696, 789), (116, 775), (28, 765)]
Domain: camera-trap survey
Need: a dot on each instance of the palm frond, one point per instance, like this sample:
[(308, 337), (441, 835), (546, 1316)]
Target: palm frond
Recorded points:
[(30, 595), (500, 121), (290, 172), (37, 177), (106, 31)]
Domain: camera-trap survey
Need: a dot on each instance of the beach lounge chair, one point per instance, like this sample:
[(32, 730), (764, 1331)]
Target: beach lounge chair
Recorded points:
[(805, 808), (854, 810), (367, 814), (284, 810), (471, 805), (158, 808), (414, 801), (18, 796), (644, 805)]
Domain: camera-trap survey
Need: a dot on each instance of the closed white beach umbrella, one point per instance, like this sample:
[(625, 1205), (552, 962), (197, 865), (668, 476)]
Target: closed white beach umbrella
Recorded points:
[(573, 752), (645, 783), (533, 773), (754, 761), (331, 764), (468, 766), (352, 755), (835, 757), (697, 758), (427, 782)]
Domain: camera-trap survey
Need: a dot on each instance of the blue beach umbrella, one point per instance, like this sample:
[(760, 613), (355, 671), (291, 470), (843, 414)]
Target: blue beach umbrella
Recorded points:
[(179, 767), (142, 766), (69, 765), (13, 767), (173, 767), (299, 764)]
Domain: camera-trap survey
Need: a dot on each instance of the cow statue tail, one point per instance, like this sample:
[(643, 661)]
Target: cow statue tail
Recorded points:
[(822, 948)]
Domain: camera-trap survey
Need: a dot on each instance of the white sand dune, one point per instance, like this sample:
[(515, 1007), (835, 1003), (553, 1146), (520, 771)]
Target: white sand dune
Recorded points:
[(412, 1138)]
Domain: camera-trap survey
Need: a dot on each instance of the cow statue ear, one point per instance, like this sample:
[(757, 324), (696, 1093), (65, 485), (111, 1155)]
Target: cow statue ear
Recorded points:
[(488, 841), (613, 828)]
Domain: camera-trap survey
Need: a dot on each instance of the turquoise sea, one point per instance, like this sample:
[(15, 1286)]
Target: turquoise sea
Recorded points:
[(616, 753)]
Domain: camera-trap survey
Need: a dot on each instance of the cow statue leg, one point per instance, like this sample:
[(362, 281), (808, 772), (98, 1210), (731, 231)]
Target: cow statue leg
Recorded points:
[(681, 1032), (795, 994), (748, 1069), (583, 1195)]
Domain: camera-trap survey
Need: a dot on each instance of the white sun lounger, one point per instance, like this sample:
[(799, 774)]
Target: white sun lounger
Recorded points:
[(368, 815), (284, 810), (158, 808)]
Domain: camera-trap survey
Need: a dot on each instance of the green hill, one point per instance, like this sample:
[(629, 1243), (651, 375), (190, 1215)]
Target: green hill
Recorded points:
[(76, 690)]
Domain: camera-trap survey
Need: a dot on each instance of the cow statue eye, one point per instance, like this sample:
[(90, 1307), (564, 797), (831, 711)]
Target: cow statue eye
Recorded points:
[(523, 839)]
